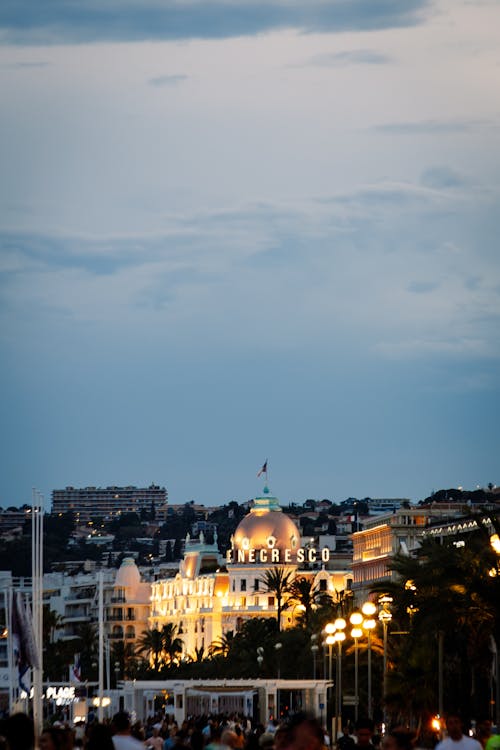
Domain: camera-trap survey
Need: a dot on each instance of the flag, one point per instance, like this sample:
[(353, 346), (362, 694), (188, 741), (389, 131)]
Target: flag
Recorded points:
[(263, 470), (23, 639), (75, 672)]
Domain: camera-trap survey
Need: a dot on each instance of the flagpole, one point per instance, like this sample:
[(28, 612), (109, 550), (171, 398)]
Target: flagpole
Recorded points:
[(100, 710), (10, 655), (37, 606)]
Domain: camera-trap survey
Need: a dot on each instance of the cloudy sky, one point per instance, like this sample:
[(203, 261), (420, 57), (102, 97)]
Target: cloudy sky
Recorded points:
[(241, 230)]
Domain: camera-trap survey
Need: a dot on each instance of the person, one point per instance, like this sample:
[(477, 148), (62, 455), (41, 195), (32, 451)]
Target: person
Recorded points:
[(53, 738), (399, 739), (19, 732), (156, 740), (456, 739), (229, 738), (364, 733), (301, 732), (122, 737), (345, 741), (99, 738)]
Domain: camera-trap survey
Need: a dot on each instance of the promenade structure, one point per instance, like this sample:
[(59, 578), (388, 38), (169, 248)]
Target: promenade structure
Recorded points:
[(88, 503)]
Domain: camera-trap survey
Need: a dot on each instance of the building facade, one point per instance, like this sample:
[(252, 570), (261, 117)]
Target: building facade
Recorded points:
[(108, 502), (214, 594)]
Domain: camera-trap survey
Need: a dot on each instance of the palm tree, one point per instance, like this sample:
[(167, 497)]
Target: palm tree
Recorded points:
[(86, 645), (222, 646), (172, 644), (448, 599), (278, 581), (52, 622), (307, 597), (151, 643), (162, 646), (124, 655)]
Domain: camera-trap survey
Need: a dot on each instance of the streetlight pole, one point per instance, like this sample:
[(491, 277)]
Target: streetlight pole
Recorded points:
[(314, 650), (356, 620), (385, 616), (329, 641), (278, 647), (368, 609), (340, 625)]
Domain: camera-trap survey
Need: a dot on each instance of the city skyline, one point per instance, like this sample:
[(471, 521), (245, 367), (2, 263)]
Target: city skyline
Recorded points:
[(232, 232)]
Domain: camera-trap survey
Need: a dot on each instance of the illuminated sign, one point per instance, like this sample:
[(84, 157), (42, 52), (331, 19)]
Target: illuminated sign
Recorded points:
[(279, 556)]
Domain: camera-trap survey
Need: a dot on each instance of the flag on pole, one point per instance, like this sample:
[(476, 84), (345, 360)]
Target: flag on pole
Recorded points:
[(23, 639), (263, 470), (75, 671)]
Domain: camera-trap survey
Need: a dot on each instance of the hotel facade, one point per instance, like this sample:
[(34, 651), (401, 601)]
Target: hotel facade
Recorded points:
[(213, 594)]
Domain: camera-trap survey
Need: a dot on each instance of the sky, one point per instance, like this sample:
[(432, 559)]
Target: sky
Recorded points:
[(236, 231)]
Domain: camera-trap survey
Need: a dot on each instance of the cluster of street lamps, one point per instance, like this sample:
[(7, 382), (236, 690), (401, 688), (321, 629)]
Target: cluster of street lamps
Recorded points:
[(362, 621)]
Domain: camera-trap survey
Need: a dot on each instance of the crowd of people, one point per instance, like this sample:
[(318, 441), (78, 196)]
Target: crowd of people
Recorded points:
[(298, 732)]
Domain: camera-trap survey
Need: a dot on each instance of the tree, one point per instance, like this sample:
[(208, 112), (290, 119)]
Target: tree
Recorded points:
[(303, 592), (151, 643), (278, 581), (222, 646), (447, 597), (163, 647), (172, 644)]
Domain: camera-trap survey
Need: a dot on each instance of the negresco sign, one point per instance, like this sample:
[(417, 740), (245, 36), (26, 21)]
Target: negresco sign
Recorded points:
[(279, 556)]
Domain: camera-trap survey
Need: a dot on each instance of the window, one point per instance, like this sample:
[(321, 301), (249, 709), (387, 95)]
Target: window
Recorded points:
[(243, 584), (322, 584), (270, 601), (256, 584)]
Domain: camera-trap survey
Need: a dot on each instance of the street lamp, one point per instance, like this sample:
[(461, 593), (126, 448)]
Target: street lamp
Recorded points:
[(278, 647), (329, 641), (385, 616), (314, 650), (260, 657), (340, 625), (356, 620), (368, 609)]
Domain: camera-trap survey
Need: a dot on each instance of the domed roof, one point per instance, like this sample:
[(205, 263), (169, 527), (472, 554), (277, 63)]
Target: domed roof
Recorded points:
[(128, 573), (266, 527)]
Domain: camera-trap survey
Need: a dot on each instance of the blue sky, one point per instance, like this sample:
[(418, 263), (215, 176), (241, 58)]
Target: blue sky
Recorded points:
[(233, 231)]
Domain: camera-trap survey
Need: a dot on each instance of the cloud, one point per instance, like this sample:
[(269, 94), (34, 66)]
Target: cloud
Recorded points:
[(443, 177), (423, 287), (350, 57), (63, 21), (167, 80), (371, 266), (433, 127), (25, 65)]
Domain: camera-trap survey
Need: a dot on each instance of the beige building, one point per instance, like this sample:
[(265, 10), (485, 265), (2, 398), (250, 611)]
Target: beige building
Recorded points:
[(380, 540), (212, 595), (127, 605)]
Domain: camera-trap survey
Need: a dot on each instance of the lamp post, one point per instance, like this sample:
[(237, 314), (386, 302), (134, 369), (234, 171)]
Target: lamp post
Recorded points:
[(495, 544), (278, 647), (385, 616), (340, 625), (329, 641), (260, 657), (368, 609), (356, 619), (314, 650)]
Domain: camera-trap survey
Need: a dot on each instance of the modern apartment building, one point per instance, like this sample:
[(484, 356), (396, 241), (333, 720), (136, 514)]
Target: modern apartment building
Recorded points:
[(108, 502)]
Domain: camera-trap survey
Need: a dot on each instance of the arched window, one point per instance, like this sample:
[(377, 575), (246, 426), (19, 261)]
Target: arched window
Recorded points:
[(130, 632), (117, 631)]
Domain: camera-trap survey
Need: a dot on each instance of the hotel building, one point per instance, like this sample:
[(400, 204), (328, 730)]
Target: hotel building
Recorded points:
[(214, 594)]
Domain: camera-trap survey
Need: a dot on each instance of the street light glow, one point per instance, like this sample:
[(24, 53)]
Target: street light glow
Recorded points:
[(356, 618), (368, 609)]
